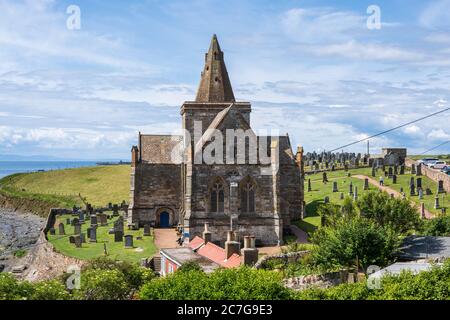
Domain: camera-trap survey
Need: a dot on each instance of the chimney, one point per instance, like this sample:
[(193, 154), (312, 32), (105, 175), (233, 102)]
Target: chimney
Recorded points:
[(231, 245), (207, 235), (134, 156), (249, 253)]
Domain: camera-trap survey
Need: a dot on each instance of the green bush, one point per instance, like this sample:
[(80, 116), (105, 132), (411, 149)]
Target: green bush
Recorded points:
[(11, 289), (50, 290), (439, 226), (349, 240), (103, 285), (189, 266), (227, 284), (398, 214)]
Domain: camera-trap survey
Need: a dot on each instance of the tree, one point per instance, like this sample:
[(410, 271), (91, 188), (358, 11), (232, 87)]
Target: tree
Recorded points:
[(103, 285), (359, 238), (399, 214), (438, 227)]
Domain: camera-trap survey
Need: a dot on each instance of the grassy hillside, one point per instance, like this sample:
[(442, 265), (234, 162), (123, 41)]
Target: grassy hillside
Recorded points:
[(99, 185)]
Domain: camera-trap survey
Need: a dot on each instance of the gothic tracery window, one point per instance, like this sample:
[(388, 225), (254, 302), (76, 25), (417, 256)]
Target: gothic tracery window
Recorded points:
[(217, 197), (248, 197)]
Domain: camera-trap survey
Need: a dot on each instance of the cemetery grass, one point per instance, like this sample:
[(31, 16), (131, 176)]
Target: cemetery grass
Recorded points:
[(99, 185), (320, 190), (115, 250)]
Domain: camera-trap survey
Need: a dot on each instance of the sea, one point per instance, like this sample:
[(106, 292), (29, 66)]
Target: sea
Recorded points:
[(10, 167)]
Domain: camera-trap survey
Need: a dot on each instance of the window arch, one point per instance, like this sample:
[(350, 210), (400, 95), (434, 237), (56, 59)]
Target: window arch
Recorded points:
[(217, 197), (248, 193)]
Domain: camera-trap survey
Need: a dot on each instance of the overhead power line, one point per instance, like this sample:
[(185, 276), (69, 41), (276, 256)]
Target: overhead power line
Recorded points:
[(439, 145), (390, 130)]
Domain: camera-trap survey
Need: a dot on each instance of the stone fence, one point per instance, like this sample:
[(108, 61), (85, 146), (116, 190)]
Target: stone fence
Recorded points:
[(433, 174), (323, 281), (285, 257)]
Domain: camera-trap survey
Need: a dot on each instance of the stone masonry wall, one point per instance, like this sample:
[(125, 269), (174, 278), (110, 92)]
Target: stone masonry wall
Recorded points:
[(433, 174)]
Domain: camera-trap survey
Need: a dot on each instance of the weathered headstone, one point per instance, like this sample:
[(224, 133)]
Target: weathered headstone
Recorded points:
[(373, 172), (428, 192), (115, 210), (309, 185), (72, 239), (324, 177), (75, 221), (83, 237), (419, 183), (326, 200), (413, 168), (350, 189), (81, 217), (103, 219), (93, 235), (420, 191), (77, 241), (77, 228), (402, 169), (147, 230), (68, 222), (335, 186), (118, 236), (390, 172), (396, 170), (128, 241), (419, 170), (52, 231), (94, 220), (436, 202), (441, 186), (61, 230), (394, 179), (366, 184)]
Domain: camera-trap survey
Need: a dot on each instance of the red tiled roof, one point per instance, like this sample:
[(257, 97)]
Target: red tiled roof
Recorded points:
[(214, 253)]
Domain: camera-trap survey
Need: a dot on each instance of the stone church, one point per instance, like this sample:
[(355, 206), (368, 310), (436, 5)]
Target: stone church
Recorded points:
[(237, 191)]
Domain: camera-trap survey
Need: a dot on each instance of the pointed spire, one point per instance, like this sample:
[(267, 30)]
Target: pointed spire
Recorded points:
[(215, 85)]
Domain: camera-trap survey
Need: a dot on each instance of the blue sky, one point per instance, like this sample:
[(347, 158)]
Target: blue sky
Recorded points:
[(310, 68)]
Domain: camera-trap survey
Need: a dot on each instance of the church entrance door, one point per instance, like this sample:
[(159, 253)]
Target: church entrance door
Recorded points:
[(164, 220)]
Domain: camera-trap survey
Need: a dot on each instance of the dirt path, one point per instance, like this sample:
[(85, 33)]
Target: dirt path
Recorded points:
[(389, 190), (165, 238)]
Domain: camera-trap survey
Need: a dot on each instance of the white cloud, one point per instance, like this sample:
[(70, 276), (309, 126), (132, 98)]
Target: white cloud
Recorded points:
[(436, 14), (438, 134)]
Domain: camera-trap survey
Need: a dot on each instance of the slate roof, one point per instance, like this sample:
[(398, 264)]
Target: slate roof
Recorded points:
[(419, 247)]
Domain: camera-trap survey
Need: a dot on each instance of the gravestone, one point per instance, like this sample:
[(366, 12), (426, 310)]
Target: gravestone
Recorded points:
[(350, 189), (61, 230), (436, 202), (81, 217), (441, 186), (77, 228), (419, 183), (326, 200), (394, 179), (422, 210), (324, 177), (118, 236), (412, 190), (93, 235), (77, 241), (373, 172), (309, 185), (335, 186), (396, 170), (52, 231), (413, 169), (94, 220), (147, 230), (341, 196), (68, 222), (366, 184), (83, 237), (419, 170), (390, 172), (103, 219), (345, 166), (402, 169), (72, 239), (355, 195), (75, 221), (115, 210), (118, 225), (128, 241)]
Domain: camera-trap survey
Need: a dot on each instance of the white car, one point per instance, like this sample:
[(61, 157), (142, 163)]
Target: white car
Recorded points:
[(438, 165), (427, 161)]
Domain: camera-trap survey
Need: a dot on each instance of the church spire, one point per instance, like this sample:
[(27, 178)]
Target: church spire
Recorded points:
[(215, 84)]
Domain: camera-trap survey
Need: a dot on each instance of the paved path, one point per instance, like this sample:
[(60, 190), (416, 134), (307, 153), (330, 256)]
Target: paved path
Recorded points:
[(165, 238), (302, 236), (389, 190)]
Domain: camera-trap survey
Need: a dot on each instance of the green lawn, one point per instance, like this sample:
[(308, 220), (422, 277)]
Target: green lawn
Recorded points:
[(116, 250), (99, 185), (320, 190)]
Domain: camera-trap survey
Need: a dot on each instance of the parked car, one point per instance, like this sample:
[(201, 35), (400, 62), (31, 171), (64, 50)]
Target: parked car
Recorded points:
[(438, 165), (446, 170), (426, 161)]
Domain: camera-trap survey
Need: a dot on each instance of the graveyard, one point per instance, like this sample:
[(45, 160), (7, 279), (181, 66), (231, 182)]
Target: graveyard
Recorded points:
[(320, 191), (116, 248)]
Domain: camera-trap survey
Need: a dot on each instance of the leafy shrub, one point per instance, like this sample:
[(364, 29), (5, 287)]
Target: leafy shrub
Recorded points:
[(229, 284), (11, 289), (50, 290), (439, 226), (103, 285), (346, 241), (189, 266)]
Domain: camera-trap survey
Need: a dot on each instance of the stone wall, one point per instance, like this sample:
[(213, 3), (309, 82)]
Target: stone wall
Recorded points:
[(433, 174)]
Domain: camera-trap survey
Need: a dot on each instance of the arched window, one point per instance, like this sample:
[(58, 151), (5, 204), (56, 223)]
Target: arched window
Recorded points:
[(217, 197), (247, 196)]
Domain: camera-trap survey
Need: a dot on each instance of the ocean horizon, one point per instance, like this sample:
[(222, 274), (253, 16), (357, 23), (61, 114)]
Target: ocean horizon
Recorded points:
[(11, 167)]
